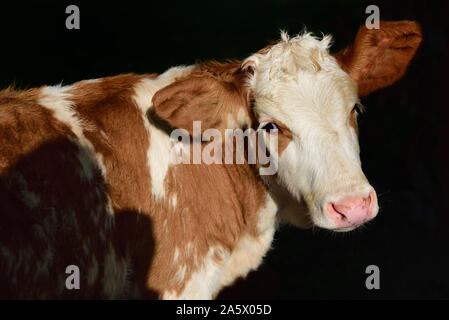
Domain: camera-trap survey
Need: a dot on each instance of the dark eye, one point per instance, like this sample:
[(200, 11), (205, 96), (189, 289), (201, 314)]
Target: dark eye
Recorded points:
[(270, 127)]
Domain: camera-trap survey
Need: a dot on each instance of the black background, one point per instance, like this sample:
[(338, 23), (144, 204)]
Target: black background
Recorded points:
[(403, 135)]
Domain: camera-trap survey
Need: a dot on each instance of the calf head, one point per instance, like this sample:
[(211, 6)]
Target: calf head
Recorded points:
[(295, 91)]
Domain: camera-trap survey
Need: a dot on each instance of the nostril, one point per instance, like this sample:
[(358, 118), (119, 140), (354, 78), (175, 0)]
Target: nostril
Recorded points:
[(339, 209), (372, 201), (367, 202)]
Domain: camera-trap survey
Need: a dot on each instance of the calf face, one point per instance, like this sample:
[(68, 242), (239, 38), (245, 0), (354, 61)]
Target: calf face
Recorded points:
[(296, 92), (313, 99), (301, 90)]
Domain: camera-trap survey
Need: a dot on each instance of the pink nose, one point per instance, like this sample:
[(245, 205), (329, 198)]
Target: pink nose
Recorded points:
[(352, 211)]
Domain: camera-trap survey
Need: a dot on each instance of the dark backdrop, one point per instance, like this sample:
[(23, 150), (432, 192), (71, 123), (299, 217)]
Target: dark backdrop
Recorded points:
[(403, 135)]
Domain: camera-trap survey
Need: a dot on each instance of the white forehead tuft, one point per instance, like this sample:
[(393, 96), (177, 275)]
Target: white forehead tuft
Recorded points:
[(307, 39), (299, 72), (303, 52)]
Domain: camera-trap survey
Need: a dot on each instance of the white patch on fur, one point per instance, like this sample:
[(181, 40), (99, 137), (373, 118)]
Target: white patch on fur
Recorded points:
[(180, 274), (267, 216), (231, 123), (250, 250), (176, 256), (57, 99), (189, 248), (145, 90), (160, 143), (203, 282), (242, 119), (173, 201), (92, 80), (159, 160)]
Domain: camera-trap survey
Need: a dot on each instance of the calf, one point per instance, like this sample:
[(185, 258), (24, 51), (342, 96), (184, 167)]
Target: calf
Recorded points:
[(87, 176)]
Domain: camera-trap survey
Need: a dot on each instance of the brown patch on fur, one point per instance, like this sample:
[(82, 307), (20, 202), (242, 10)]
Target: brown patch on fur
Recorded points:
[(380, 57), (285, 136)]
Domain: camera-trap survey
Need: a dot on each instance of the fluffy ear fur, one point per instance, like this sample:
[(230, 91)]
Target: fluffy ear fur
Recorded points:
[(214, 94), (380, 57)]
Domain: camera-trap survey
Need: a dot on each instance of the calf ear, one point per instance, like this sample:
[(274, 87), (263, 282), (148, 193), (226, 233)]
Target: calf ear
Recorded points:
[(199, 97), (380, 57)]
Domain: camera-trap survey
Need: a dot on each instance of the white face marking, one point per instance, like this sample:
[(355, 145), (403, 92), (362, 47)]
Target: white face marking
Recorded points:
[(298, 83)]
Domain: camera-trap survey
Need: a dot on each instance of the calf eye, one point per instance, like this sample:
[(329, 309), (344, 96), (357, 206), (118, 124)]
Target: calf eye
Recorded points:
[(270, 127)]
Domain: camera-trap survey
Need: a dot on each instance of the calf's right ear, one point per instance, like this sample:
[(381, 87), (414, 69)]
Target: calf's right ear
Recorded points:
[(380, 57)]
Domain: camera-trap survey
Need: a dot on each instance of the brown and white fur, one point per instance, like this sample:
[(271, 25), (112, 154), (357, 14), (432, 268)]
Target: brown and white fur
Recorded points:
[(86, 177)]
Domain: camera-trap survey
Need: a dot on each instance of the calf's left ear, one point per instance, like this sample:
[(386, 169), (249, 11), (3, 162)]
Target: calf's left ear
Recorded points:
[(202, 97), (380, 57)]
